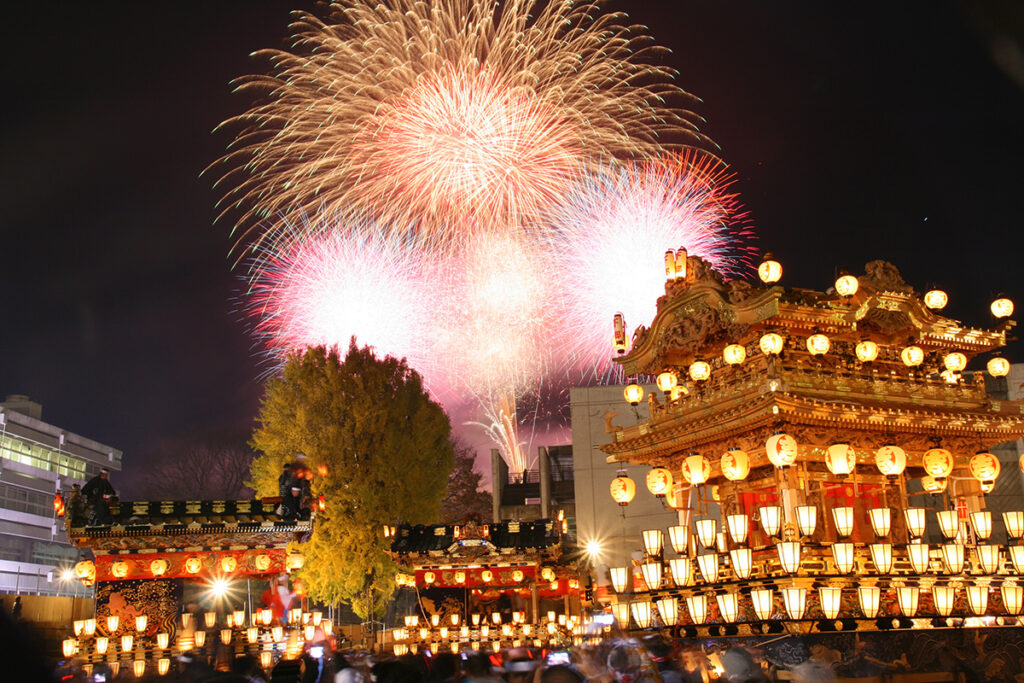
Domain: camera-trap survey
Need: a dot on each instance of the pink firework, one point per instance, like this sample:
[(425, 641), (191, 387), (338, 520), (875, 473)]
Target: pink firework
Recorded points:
[(611, 235), (467, 148), (352, 280)]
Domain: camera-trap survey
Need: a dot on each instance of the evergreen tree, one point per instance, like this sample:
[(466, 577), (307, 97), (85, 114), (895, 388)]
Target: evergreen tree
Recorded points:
[(464, 499), (387, 451)]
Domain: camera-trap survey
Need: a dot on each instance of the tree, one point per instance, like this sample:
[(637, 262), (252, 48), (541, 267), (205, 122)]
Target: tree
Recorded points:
[(214, 469), (387, 450), (464, 500)]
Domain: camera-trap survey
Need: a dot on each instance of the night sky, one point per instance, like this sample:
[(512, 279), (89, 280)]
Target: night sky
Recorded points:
[(892, 132)]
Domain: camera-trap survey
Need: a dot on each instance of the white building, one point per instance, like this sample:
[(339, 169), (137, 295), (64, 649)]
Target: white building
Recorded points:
[(38, 460)]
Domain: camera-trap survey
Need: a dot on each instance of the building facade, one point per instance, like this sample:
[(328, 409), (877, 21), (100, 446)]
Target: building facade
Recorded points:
[(37, 461)]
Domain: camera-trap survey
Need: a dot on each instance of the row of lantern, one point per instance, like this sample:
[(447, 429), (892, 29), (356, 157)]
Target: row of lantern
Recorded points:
[(138, 666), (483, 632), (227, 564), (794, 602), (477, 619), (772, 343), (770, 272), (770, 516), (782, 451)]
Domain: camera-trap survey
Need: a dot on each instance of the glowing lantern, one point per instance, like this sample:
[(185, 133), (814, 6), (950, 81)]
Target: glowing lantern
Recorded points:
[(795, 600), (140, 622), (112, 623), (770, 270), (763, 601), (679, 537), (735, 464), (932, 485), (984, 466), (619, 340), (698, 607), (912, 356), (988, 558), (651, 571), (119, 569), (653, 541), (70, 647), (771, 519), (907, 597), (847, 285), (667, 381), (429, 577), (634, 393), (782, 449), (881, 556), (193, 565), (700, 371), (739, 527), (262, 562), (86, 572), (866, 351), (742, 560), (641, 612), (998, 367), (487, 576), (806, 519), (734, 354), (200, 638), (619, 577), (840, 459), (789, 556), (891, 461), (949, 522), (843, 517), (228, 564), (881, 521), (102, 643), (696, 469), (622, 488), (139, 667), (460, 577), (771, 344), (127, 643), (818, 344), (708, 567), (937, 462), (659, 482), (936, 299), (158, 567), (678, 391), (668, 608), (842, 553), (670, 265), (955, 362), (869, 596), (162, 639), (919, 555), (682, 570), (1013, 598), (1014, 521), (977, 599), (1002, 308), (728, 606), (830, 599)]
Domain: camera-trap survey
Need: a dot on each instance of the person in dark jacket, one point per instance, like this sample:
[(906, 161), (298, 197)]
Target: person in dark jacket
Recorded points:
[(98, 491)]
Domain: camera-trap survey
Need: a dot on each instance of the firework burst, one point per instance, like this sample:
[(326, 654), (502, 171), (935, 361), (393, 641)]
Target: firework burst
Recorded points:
[(353, 279), (610, 237), (453, 113)]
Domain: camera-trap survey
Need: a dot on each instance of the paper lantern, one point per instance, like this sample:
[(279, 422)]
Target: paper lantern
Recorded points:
[(679, 537), (998, 367), (881, 521), (977, 599), (651, 571), (953, 557), (667, 381), (795, 600), (920, 556), (764, 602), (937, 462), (739, 527), (1013, 598), (1014, 522), (789, 556), (1002, 308), (659, 481), (707, 531), (907, 598), (771, 344), (623, 489), (984, 466), (869, 597), (708, 567), (696, 469), (119, 569), (641, 610), (735, 464), (698, 607), (842, 553), (867, 351), (653, 541), (193, 565), (771, 519), (742, 561), (936, 299), (949, 522), (891, 460), (734, 354), (634, 393), (619, 577), (158, 567), (668, 608), (782, 450), (770, 270), (818, 344), (847, 285), (700, 371), (619, 340), (843, 517), (831, 599), (954, 362), (840, 459), (806, 519), (932, 485), (912, 356), (682, 571), (228, 564), (728, 606)]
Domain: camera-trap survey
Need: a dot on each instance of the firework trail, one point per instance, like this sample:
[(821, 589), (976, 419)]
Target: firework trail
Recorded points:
[(453, 113), (609, 242)]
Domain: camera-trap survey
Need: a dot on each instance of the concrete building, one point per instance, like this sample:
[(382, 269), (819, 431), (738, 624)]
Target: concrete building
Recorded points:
[(616, 530), (38, 460), (535, 494)]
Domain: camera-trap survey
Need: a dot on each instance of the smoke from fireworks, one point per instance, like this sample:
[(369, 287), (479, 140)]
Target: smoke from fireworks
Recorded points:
[(611, 234), (453, 113)]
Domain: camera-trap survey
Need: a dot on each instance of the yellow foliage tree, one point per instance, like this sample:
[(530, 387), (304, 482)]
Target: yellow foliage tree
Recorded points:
[(385, 446)]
